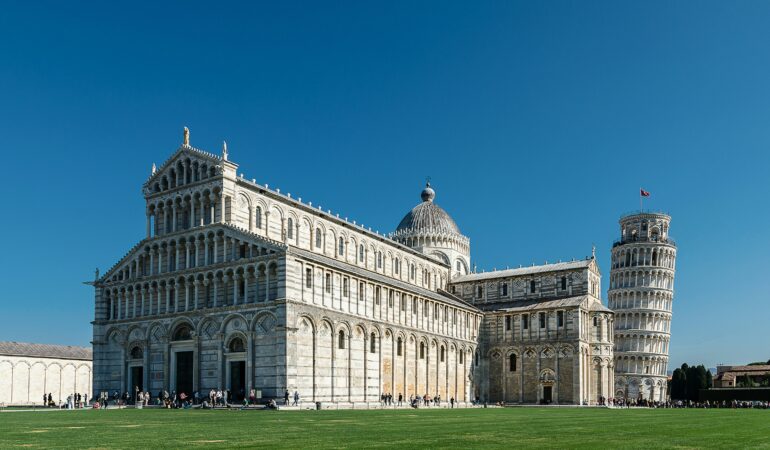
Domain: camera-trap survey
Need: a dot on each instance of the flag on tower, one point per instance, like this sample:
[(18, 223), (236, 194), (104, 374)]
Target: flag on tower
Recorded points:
[(643, 193)]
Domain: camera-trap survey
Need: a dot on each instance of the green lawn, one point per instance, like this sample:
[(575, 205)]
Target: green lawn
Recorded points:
[(460, 428)]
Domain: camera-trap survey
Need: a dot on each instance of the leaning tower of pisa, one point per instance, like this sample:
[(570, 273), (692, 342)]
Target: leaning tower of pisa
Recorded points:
[(641, 293)]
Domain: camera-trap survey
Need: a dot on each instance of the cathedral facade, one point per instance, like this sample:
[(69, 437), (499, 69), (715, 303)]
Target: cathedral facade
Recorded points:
[(238, 286)]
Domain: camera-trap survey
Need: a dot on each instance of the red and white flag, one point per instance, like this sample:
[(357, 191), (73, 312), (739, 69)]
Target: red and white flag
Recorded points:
[(643, 193)]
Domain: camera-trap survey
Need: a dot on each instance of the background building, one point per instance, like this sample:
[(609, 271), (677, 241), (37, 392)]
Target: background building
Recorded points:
[(28, 371), (641, 293)]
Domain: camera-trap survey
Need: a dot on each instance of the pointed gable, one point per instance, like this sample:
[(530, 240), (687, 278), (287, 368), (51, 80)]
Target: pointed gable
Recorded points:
[(186, 165)]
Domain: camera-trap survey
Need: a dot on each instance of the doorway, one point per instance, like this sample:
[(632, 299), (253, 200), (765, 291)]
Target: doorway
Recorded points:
[(547, 394), (238, 380), (184, 373), (136, 381)]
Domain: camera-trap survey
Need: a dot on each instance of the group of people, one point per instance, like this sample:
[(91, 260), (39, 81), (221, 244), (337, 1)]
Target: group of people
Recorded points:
[(73, 401), (427, 400)]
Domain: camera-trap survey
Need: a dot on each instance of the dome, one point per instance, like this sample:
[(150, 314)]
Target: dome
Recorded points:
[(428, 216)]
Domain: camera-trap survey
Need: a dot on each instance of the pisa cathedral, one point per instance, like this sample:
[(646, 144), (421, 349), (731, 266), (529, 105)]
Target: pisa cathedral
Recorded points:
[(238, 286)]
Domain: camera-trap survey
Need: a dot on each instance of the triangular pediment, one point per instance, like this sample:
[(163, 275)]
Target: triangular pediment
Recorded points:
[(198, 164)]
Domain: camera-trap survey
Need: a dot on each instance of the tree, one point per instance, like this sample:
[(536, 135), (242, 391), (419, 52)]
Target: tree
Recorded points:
[(709, 380), (678, 382)]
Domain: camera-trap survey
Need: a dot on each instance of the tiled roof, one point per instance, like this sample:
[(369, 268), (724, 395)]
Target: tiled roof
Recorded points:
[(45, 351), (531, 305), (580, 264)]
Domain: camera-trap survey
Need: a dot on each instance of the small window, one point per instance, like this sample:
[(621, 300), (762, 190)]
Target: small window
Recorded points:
[(361, 291), (345, 287), (257, 218), (341, 340), (137, 353), (596, 321), (290, 228), (563, 283), (525, 321), (399, 351), (459, 266), (512, 363), (422, 350), (236, 346), (560, 318), (462, 357), (480, 291), (441, 355), (542, 320), (390, 298), (414, 306), (328, 283), (532, 286), (308, 278), (377, 295), (372, 343), (341, 246), (379, 260), (507, 323), (504, 290), (477, 358), (318, 238), (414, 272), (361, 253)]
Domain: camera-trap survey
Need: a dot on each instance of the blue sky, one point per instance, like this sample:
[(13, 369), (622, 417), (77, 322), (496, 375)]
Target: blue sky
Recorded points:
[(537, 121)]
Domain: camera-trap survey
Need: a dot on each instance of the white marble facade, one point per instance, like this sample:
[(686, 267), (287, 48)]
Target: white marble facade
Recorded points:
[(29, 371), (240, 286)]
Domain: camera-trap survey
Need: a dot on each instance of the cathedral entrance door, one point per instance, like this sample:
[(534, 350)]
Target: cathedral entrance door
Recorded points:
[(184, 373), (136, 381), (237, 380), (547, 394)]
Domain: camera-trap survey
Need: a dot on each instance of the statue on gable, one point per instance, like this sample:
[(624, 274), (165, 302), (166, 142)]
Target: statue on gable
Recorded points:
[(186, 141), (224, 150)]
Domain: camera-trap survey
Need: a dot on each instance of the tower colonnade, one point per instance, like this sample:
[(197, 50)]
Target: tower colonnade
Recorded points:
[(641, 294)]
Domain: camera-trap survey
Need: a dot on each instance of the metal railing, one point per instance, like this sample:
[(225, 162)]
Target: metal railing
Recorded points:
[(660, 240)]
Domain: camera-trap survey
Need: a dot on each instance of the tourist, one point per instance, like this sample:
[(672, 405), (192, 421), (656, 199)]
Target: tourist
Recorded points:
[(252, 397), (225, 397), (286, 398), (400, 399), (452, 402), (296, 398)]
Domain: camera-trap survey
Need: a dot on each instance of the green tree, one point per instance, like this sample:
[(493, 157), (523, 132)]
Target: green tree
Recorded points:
[(709, 380), (678, 382)]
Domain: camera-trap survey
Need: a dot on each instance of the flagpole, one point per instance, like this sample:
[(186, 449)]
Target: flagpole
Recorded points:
[(640, 200)]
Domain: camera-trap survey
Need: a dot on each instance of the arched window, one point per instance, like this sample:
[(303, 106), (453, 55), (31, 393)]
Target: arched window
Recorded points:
[(414, 272), (361, 253), (290, 228), (379, 260), (372, 343), (257, 218), (236, 346), (458, 266), (137, 353), (462, 357), (182, 333), (399, 352), (512, 363), (341, 246), (442, 354), (422, 350), (341, 340), (318, 238)]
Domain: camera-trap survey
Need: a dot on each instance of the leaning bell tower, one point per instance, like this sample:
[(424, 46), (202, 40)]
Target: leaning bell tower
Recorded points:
[(641, 293)]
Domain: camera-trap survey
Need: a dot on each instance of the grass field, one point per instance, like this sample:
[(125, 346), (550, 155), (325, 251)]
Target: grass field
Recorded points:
[(424, 428)]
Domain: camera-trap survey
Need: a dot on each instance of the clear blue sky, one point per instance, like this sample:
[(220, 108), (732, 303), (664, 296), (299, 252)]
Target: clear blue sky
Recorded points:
[(538, 122)]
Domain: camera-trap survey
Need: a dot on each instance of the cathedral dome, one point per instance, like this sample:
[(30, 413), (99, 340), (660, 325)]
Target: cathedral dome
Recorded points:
[(428, 216)]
